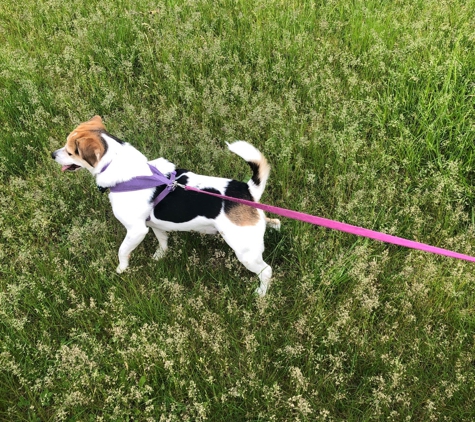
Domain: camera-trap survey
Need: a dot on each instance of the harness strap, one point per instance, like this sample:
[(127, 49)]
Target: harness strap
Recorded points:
[(145, 182)]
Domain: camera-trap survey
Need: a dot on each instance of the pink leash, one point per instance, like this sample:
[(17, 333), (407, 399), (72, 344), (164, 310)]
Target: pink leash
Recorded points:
[(343, 227)]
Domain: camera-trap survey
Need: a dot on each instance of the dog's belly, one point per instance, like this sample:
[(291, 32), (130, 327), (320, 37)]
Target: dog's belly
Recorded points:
[(198, 224)]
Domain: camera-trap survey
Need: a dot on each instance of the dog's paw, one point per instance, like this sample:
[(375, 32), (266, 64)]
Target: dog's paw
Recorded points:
[(260, 291), (273, 223), (121, 268), (159, 254)]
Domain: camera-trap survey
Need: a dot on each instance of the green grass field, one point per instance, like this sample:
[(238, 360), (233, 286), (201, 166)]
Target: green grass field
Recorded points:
[(365, 110)]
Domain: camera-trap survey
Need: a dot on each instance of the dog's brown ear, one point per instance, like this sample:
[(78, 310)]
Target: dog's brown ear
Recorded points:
[(90, 150), (96, 119), (95, 124)]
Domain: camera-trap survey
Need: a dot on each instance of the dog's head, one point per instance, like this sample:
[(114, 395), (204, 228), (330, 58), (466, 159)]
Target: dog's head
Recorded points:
[(84, 146)]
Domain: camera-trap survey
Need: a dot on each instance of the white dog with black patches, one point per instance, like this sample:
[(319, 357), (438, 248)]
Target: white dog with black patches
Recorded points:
[(113, 162)]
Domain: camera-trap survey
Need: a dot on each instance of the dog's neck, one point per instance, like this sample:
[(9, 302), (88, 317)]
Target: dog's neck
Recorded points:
[(120, 163), (105, 167)]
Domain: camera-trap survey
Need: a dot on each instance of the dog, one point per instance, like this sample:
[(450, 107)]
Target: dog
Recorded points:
[(112, 162)]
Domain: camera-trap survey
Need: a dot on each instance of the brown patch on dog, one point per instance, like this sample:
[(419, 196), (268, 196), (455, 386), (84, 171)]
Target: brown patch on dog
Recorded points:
[(85, 141), (242, 215)]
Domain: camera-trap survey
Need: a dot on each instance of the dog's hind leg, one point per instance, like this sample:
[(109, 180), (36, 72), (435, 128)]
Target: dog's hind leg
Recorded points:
[(162, 243), (254, 262), (248, 245)]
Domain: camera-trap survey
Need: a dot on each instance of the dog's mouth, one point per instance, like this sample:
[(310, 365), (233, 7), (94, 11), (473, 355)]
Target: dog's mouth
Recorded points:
[(70, 167)]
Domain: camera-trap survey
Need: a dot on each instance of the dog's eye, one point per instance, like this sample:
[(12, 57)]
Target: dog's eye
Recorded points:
[(69, 153)]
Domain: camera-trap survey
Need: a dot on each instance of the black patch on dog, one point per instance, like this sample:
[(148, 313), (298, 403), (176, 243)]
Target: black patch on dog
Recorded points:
[(239, 190), (181, 206), (115, 138), (102, 189), (255, 173)]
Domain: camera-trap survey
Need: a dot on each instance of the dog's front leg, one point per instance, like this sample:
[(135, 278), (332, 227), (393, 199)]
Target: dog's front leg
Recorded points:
[(162, 243), (135, 235)]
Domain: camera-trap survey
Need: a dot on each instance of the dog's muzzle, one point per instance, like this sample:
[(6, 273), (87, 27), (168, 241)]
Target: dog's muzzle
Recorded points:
[(70, 167)]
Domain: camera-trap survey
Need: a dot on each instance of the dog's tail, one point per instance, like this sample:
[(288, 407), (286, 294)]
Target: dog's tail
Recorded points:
[(257, 162)]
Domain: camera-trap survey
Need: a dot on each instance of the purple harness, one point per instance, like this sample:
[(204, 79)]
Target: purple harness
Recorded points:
[(145, 182)]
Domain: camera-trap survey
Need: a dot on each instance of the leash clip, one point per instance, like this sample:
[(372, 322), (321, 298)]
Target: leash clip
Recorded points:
[(175, 184)]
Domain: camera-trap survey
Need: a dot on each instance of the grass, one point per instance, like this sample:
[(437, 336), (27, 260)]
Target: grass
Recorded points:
[(365, 111)]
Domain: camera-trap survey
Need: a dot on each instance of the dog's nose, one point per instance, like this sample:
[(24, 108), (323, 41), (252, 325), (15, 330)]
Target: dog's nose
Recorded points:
[(53, 155)]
